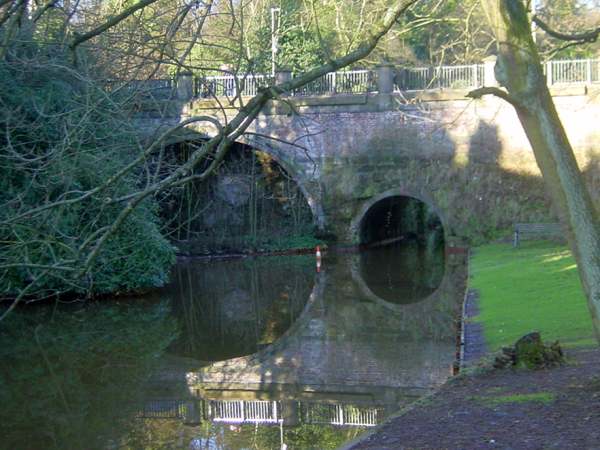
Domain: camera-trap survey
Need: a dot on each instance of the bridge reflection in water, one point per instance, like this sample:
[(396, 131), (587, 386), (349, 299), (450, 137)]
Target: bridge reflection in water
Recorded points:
[(264, 412), (347, 360)]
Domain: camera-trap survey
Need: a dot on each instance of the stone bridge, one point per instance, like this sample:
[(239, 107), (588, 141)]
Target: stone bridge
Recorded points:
[(468, 159)]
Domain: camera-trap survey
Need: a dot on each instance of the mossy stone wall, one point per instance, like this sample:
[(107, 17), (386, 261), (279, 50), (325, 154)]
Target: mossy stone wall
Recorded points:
[(469, 159)]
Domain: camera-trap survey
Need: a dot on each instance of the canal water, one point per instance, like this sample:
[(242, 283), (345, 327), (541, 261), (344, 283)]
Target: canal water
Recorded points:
[(254, 353)]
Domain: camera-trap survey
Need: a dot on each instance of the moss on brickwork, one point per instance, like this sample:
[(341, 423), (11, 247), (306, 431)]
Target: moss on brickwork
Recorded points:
[(478, 202)]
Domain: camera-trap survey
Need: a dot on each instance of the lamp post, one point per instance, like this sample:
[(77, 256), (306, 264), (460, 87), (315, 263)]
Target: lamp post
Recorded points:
[(533, 25), (275, 12)]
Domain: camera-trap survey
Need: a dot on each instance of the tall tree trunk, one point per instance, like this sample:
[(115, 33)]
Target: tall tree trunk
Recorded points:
[(518, 69)]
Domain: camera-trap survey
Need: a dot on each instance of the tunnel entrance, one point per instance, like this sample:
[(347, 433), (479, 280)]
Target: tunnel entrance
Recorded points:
[(403, 261)]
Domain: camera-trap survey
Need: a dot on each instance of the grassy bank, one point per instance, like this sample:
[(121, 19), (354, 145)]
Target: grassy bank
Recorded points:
[(533, 287)]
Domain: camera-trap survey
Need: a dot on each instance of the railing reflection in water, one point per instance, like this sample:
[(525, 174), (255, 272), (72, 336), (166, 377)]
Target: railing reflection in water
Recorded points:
[(265, 412)]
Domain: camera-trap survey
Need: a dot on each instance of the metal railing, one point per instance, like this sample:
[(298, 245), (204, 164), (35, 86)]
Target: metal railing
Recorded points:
[(240, 411), (576, 71), (230, 85), (341, 415), (560, 72), (349, 82), (441, 77), (163, 409)]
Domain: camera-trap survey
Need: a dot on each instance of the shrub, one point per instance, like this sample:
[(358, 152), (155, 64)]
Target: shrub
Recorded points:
[(62, 136)]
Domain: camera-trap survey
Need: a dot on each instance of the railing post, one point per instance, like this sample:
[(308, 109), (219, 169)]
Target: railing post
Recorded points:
[(193, 412), (185, 86), (489, 77), (429, 78), (385, 87), (549, 73), (385, 79), (402, 79), (589, 71), (290, 413), (475, 76), (283, 76), (330, 84)]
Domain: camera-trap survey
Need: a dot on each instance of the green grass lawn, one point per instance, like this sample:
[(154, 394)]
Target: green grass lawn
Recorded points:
[(533, 287)]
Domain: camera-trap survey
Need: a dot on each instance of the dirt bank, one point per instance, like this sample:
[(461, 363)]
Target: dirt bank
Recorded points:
[(504, 409)]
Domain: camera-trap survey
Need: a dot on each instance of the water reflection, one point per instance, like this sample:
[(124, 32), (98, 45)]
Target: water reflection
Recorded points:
[(403, 272), (237, 437), (269, 352), (344, 364), (235, 308), (264, 412), (72, 379)]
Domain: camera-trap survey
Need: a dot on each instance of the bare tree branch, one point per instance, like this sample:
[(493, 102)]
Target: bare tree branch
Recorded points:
[(478, 93), (580, 38), (81, 38)]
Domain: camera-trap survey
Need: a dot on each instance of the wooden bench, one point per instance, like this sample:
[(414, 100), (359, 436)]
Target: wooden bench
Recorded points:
[(539, 230)]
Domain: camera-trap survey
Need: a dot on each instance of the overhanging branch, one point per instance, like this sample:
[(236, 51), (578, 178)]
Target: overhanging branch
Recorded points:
[(81, 38), (582, 38), (497, 92)]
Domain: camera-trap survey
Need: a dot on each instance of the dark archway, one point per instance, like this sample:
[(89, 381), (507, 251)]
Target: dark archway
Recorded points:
[(251, 203), (398, 217), (404, 241), (231, 308)]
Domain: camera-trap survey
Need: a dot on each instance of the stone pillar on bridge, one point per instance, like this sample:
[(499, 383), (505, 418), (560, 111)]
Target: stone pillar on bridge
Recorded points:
[(290, 413), (385, 85), (283, 76), (385, 78), (192, 412), (489, 77), (185, 86)]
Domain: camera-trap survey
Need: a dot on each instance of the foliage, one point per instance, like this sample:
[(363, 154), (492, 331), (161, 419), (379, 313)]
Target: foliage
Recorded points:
[(298, 45), (309, 33), (455, 33), (61, 135), (73, 379), (567, 16), (533, 287)]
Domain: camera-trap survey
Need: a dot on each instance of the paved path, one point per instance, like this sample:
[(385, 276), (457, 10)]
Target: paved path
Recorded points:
[(475, 347)]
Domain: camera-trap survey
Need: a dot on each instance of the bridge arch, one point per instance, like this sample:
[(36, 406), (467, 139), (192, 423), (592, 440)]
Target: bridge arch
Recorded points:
[(283, 153), (247, 371), (358, 220), (411, 272)]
